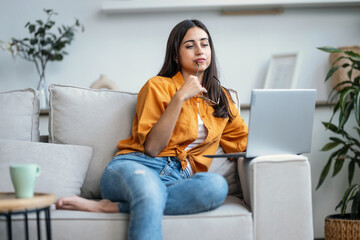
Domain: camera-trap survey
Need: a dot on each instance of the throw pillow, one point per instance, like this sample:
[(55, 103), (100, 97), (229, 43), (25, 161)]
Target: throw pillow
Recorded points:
[(96, 118), (19, 115), (228, 169), (63, 167)]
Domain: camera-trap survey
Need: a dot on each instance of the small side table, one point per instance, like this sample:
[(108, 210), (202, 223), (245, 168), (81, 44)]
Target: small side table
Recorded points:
[(10, 205)]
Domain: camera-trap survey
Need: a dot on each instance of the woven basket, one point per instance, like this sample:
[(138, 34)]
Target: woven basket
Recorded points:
[(341, 228), (341, 74)]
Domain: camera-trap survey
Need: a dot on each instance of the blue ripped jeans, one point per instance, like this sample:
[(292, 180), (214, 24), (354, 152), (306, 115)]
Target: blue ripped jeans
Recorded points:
[(149, 187)]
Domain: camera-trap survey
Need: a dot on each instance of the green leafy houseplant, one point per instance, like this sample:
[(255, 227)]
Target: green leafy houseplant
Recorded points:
[(345, 148), (42, 46)]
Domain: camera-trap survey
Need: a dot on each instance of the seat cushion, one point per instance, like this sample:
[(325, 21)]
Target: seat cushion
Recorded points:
[(19, 115), (63, 167), (230, 221), (96, 118)]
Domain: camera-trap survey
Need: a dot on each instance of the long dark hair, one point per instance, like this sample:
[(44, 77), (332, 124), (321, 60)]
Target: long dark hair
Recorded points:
[(170, 67)]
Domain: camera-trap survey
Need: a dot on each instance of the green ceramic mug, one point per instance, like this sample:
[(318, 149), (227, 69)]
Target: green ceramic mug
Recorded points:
[(23, 177)]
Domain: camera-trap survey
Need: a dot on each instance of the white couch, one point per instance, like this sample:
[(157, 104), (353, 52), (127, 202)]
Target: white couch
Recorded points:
[(269, 196)]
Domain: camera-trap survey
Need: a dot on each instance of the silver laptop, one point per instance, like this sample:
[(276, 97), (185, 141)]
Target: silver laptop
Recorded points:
[(281, 122)]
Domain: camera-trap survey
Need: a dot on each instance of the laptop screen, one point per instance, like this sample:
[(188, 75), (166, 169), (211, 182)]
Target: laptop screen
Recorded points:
[(281, 121)]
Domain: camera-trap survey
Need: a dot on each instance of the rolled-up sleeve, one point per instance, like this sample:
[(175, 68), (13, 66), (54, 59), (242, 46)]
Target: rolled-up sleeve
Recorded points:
[(151, 103)]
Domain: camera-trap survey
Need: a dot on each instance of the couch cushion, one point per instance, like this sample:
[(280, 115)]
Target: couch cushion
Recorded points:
[(63, 167), (230, 221), (19, 115), (96, 118)]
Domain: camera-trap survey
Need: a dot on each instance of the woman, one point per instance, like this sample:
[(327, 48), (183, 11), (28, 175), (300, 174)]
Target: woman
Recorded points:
[(182, 114)]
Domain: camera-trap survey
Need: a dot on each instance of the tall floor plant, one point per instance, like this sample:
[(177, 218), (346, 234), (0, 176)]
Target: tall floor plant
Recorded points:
[(345, 148)]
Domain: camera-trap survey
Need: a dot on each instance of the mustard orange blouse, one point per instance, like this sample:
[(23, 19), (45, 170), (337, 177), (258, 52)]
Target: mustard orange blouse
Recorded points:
[(152, 101)]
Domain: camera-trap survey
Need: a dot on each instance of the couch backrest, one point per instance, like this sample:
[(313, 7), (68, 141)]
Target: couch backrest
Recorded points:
[(95, 118), (19, 115)]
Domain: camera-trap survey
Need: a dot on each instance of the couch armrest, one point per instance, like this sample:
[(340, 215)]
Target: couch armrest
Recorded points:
[(277, 189)]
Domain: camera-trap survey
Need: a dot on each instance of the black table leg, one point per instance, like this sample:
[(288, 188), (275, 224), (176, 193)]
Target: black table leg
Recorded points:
[(48, 223), (25, 213), (26, 225), (38, 223), (8, 223)]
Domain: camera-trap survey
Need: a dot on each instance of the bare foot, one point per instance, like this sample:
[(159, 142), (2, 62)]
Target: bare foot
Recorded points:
[(82, 204)]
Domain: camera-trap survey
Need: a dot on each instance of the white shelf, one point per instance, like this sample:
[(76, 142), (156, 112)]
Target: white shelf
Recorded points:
[(131, 6)]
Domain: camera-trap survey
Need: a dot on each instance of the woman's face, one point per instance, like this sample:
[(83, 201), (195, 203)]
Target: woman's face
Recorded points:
[(194, 48)]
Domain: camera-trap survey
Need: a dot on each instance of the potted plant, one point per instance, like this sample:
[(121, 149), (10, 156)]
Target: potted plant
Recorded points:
[(42, 46), (345, 147)]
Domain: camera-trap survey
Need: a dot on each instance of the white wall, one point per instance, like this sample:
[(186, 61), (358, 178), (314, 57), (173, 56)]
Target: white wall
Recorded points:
[(129, 48)]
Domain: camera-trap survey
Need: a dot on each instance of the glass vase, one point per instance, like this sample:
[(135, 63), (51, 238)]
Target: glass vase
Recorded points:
[(43, 94)]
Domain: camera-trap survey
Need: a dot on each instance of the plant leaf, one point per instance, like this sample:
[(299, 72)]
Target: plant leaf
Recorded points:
[(59, 57), (350, 73), (351, 170), (358, 131), (338, 140), (357, 106), (329, 146), (341, 156), (48, 26), (45, 52), (331, 72), (31, 28), (330, 49), (336, 108), (40, 31), (339, 205), (333, 96), (357, 79), (331, 127), (338, 165), (345, 65), (352, 54), (345, 95), (324, 173), (345, 199), (348, 195), (356, 65), (343, 117), (31, 51), (326, 168), (355, 59), (355, 205), (33, 41), (355, 82)]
